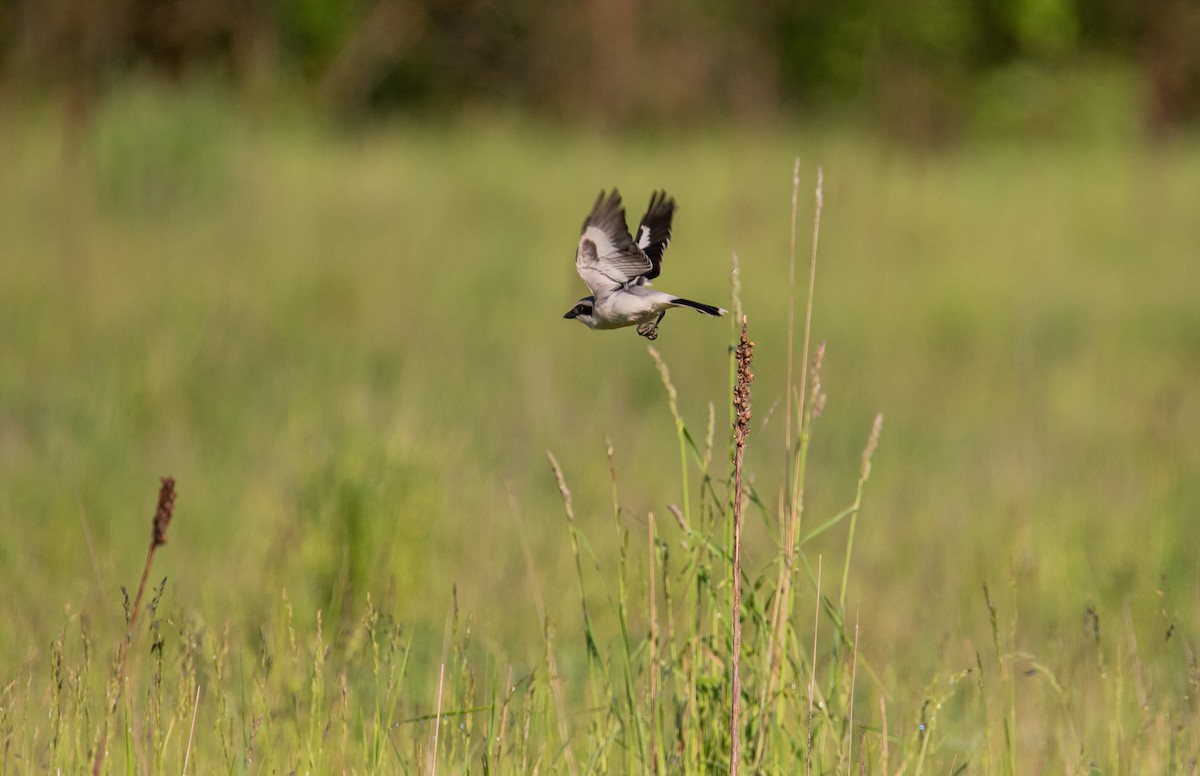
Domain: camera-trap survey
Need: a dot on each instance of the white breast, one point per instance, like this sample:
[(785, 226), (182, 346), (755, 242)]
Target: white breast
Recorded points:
[(638, 304)]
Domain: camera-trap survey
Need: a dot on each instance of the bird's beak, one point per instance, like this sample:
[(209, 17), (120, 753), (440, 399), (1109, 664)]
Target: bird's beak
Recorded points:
[(570, 314)]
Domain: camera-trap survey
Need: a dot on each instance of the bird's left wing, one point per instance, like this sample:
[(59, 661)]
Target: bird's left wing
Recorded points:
[(607, 257)]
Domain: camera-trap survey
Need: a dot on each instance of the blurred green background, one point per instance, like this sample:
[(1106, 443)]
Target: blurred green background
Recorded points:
[(922, 71), (311, 259)]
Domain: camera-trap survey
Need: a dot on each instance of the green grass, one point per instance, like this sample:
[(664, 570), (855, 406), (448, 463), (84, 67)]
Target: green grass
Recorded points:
[(315, 333)]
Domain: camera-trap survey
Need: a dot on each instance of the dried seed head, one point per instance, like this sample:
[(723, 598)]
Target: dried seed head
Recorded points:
[(818, 360), (815, 392), (678, 513), (741, 390), (166, 508), (562, 484), (872, 443)]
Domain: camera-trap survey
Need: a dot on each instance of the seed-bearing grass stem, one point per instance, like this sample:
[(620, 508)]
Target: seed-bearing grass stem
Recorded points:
[(158, 536), (741, 429), (864, 473)]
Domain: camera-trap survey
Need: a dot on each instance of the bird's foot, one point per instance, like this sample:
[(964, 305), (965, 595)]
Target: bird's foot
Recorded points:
[(648, 330)]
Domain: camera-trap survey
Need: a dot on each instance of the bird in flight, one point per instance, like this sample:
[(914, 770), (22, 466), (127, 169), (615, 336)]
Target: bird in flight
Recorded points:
[(618, 270)]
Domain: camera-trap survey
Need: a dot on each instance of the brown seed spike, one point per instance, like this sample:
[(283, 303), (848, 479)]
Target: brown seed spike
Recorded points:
[(165, 510), (741, 392)]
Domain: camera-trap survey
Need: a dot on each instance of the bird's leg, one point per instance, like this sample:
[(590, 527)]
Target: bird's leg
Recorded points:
[(650, 330)]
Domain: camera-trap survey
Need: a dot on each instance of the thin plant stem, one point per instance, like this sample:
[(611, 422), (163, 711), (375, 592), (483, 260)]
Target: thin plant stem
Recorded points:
[(594, 662), (812, 281), (187, 752), (850, 714), (741, 429), (812, 677), (437, 721), (864, 474), (781, 584), (623, 619), (883, 735), (162, 519), (680, 429), (653, 648), (791, 324), (794, 461)]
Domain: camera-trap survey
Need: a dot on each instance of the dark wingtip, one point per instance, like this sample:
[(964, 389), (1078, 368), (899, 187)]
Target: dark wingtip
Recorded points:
[(607, 208)]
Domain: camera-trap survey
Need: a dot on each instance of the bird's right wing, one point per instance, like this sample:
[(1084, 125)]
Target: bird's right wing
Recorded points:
[(607, 257), (654, 232)]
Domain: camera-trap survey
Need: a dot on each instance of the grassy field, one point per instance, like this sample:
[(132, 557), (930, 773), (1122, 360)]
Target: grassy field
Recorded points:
[(347, 348)]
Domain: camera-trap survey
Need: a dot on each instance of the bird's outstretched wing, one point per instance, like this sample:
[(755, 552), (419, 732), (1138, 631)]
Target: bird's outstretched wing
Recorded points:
[(654, 232), (608, 258)]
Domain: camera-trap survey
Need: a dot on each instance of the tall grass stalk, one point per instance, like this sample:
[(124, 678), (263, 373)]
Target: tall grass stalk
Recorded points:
[(794, 461), (741, 429), (437, 721), (596, 673), (864, 473), (680, 430), (1007, 684), (652, 644), (634, 722), (850, 713), (812, 676), (158, 537), (701, 549), (187, 752)]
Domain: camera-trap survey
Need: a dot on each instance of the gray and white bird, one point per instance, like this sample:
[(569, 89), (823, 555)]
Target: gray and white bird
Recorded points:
[(618, 270)]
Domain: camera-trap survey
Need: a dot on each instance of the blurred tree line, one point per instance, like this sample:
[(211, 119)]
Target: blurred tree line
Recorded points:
[(922, 69)]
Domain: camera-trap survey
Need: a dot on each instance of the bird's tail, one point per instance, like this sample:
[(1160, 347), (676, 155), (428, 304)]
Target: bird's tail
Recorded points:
[(707, 309)]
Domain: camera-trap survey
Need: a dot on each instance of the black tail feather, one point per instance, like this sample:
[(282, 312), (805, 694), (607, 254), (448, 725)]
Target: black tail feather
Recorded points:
[(707, 309)]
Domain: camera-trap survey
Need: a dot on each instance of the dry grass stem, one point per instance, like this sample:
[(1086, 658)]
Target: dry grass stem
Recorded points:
[(812, 677), (680, 428), (793, 502), (883, 735), (791, 324), (162, 518), (653, 643), (741, 429), (813, 674), (437, 720), (187, 754), (797, 484), (508, 694), (592, 651), (735, 284), (850, 714)]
